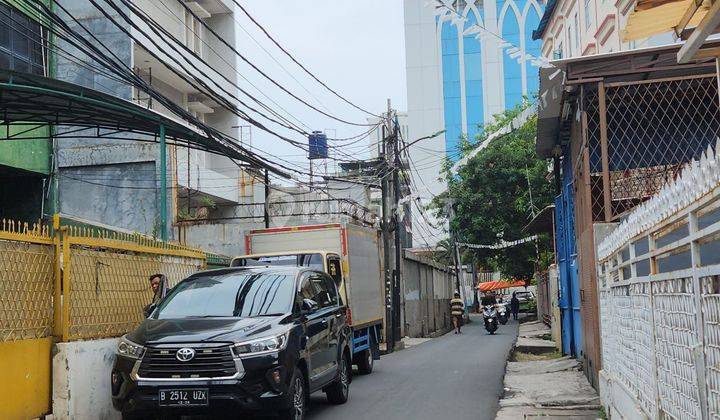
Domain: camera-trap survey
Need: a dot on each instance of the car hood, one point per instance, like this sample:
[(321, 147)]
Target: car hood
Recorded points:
[(185, 330)]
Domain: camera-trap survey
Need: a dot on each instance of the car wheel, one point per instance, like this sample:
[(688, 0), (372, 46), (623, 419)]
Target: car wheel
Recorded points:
[(297, 395), (365, 362), (339, 391)]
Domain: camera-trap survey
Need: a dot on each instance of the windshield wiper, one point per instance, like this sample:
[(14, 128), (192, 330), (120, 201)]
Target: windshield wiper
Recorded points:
[(268, 314)]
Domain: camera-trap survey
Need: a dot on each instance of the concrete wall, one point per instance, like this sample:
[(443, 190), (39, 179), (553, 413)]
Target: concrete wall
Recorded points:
[(81, 380), (426, 289), (221, 238), (122, 195)]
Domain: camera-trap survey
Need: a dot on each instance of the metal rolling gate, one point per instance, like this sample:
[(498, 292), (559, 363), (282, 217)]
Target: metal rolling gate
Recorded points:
[(70, 283)]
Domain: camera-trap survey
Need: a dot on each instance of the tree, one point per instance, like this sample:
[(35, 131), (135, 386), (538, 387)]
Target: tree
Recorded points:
[(491, 196)]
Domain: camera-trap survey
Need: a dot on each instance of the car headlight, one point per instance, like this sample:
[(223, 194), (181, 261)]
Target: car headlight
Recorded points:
[(261, 345), (129, 349)]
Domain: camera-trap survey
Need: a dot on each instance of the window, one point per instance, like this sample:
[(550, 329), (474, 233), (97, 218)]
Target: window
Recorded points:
[(193, 33), (319, 288), (229, 295), (558, 53), (329, 295), (588, 14), (576, 36), (335, 269), (21, 47)]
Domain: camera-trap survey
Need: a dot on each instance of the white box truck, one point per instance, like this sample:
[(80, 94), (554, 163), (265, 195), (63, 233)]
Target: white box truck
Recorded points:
[(351, 254)]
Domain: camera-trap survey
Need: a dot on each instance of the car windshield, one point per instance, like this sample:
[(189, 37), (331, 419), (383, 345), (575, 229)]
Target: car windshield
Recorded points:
[(312, 260), (229, 295)]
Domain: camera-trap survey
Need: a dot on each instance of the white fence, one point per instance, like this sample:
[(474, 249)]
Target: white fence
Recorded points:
[(659, 286)]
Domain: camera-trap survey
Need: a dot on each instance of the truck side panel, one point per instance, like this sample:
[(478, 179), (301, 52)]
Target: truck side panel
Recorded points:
[(365, 288), (327, 238)]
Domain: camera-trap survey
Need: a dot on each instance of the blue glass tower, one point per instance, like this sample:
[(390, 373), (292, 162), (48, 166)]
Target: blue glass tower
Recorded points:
[(486, 71)]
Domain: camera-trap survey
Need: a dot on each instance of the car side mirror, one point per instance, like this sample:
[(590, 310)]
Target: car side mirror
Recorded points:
[(308, 306)]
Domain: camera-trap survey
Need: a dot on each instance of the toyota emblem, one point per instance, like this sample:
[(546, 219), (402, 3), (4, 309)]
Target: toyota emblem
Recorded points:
[(185, 354)]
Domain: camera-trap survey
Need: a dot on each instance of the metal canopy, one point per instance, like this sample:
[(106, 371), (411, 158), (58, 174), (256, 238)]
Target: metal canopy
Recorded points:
[(35, 100), (560, 84)]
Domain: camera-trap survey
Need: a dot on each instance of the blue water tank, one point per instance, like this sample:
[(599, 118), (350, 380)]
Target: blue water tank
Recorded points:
[(318, 145)]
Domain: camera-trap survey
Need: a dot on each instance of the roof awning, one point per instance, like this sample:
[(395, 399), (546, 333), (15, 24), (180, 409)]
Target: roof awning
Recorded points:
[(499, 285), (33, 100), (690, 20), (559, 84), (653, 17)]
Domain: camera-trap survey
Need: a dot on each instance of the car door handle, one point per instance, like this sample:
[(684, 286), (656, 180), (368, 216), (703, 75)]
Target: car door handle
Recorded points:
[(324, 322)]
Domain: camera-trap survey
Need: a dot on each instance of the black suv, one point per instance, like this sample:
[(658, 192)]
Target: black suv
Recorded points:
[(257, 339)]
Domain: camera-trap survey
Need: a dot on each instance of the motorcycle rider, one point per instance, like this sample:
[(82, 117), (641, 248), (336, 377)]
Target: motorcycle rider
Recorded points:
[(489, 298), (489, 302)]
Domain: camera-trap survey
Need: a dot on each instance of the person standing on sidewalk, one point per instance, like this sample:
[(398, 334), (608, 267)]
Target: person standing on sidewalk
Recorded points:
[(457, 310), (515, 305)]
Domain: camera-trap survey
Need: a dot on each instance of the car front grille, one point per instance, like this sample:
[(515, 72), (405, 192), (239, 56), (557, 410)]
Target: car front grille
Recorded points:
[(209, 362)]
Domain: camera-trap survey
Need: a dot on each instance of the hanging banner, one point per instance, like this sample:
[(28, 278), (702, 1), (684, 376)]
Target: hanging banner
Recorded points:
[(499, 245)]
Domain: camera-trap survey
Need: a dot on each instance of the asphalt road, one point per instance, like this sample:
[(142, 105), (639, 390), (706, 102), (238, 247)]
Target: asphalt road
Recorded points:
[(451, 377)]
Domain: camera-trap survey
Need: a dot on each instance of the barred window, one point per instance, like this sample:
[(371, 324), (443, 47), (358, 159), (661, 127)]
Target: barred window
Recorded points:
[(21, 47)]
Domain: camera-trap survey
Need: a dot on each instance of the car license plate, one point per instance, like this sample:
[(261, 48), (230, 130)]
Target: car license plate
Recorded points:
[(186, 397)]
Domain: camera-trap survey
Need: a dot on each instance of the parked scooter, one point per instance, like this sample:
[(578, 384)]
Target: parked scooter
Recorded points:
[(502, 313), (490, 317)]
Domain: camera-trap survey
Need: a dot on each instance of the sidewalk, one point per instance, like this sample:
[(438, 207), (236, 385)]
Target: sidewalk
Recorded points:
[(541, 383)]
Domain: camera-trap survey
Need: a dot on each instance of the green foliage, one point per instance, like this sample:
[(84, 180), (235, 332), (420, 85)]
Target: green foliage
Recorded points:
[(207, 202), (444, 253), (492, 199)]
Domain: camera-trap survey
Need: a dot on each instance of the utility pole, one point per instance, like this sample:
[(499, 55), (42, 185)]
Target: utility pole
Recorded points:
[(385, 225), (456, 250), (397, 226), (267, 195)]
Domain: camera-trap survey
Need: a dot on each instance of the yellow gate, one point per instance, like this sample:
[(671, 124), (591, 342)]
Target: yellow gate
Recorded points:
[(76, 283), (26, 295)]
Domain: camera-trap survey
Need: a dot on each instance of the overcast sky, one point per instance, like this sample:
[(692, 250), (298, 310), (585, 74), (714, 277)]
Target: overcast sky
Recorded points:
[(355, 46)]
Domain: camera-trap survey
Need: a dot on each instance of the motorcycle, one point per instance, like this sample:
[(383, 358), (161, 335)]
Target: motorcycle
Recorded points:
[(490, 317), (503, 314)]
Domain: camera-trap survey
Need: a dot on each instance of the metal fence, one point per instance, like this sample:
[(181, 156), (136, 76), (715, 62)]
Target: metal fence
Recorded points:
[(80, 282), (26, 281), (105, 279), (659, 275)]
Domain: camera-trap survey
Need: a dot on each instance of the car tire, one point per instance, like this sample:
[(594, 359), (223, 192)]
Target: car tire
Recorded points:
[(365, 362), (339, 391), (298, 398)]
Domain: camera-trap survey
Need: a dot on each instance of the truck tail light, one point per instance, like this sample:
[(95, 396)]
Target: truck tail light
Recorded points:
[(348, 315)]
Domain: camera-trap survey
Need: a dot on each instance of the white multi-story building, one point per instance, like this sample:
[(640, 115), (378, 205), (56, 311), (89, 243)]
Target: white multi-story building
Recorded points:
[(203, 188), (572, 28)]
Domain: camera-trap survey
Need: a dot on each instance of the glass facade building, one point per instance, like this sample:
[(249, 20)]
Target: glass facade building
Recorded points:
[(488, 69)]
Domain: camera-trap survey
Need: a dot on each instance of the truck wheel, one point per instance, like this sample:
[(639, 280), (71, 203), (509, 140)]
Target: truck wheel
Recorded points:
[(298, 398), (365, 362), (339, 391)]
